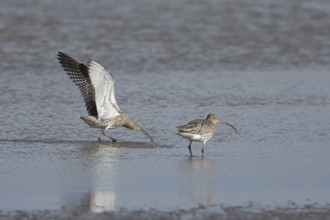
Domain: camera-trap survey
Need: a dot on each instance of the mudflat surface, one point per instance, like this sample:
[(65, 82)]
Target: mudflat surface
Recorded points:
[(262, 66)]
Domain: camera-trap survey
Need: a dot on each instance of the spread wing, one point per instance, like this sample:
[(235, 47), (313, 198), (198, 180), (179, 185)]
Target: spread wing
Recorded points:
[(78, 72), (104, 85)]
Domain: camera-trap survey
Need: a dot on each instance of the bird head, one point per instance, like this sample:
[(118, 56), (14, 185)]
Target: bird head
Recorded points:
[(133, 125), (215, 119)]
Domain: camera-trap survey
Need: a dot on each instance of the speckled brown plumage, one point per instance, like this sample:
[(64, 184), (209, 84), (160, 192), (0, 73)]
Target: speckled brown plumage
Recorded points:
[(96, 85), (200, 130)]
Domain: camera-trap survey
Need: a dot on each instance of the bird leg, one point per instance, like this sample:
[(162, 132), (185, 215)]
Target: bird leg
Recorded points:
[(203, 149), (103, 133), (189, 147)]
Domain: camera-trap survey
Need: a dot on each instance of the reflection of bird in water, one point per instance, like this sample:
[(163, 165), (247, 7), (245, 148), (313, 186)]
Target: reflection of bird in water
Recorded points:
[(97, 86), (199, 181), (201, 130)]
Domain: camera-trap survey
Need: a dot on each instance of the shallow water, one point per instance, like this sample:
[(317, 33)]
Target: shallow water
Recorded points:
[(262, 66)]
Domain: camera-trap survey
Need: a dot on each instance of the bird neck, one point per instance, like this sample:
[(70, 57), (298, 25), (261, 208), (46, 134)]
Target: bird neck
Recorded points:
[(129, 124)]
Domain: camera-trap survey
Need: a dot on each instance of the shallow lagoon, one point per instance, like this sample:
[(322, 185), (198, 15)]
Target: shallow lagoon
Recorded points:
[(262, 66)]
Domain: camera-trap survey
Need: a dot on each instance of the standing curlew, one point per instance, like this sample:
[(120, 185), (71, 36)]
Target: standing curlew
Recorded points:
[(200, 130), (97, 87)]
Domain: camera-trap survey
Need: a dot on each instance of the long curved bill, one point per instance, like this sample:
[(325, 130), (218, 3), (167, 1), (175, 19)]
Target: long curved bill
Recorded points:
[(229, 126), (146, 133)]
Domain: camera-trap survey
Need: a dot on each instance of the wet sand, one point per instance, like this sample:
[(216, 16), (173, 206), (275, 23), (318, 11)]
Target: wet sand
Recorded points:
[(251, 211)]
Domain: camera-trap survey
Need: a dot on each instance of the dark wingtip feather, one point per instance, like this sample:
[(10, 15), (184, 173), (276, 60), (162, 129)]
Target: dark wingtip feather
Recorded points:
[(78, 72), (60, 55)]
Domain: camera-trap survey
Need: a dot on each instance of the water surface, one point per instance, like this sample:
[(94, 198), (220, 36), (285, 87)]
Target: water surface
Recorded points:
[(260, 65)]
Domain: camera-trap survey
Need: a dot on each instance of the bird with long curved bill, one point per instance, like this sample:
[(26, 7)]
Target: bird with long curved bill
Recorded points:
[(201, 130), (97, 87)]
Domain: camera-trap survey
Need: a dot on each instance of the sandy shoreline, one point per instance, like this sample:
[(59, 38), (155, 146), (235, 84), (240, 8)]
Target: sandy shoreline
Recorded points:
[(250, 211)]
